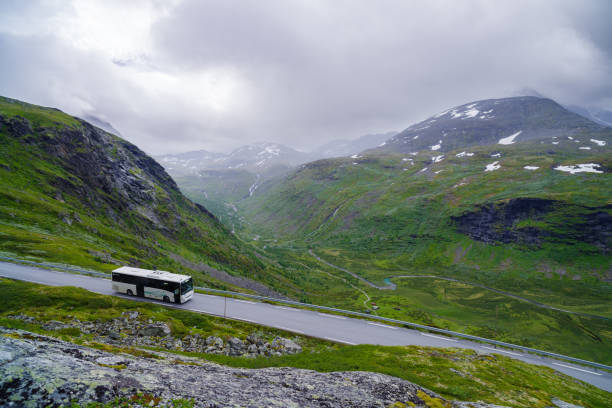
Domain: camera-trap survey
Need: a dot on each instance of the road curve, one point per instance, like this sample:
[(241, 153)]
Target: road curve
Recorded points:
[(326, 326), (389, 286)]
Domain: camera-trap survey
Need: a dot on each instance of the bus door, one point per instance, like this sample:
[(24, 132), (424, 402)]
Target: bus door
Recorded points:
[(140, 289), (177, 294)]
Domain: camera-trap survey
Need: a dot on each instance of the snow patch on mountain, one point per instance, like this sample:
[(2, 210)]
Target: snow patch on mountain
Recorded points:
[(510, 139), (493, 166), (464, 154), (580, 168)]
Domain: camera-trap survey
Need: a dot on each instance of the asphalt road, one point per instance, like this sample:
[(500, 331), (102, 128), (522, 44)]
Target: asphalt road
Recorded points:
[(322, 325)]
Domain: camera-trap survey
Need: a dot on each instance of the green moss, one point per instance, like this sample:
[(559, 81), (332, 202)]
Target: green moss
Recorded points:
[(115, 366)]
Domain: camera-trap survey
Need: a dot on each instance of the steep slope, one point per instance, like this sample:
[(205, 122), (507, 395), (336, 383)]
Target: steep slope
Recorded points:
[(73, 193), (491, 122)]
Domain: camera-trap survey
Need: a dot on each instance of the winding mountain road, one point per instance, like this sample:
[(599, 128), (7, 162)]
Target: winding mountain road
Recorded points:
[(326, 326)]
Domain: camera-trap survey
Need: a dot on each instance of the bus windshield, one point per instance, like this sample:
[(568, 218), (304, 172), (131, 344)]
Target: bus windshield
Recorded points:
[(187, 286)]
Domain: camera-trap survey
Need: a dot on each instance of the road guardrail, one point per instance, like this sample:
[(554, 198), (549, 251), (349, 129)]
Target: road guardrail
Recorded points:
[(347, 312)]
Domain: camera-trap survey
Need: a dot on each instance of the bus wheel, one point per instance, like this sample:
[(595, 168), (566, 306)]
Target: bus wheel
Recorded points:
[(130, 293), (166, 299)]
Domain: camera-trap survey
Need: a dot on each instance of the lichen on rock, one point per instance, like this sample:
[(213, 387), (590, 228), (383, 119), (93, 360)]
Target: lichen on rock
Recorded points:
[(42, 371)]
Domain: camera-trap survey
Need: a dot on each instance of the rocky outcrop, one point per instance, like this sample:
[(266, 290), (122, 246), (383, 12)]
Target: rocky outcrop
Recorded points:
[(542, 220), (132, 330), (41, 371)]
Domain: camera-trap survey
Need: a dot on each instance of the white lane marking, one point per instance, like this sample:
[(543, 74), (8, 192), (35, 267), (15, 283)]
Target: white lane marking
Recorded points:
[(289, 308), (291, 330), (437, 337), (243, 301), (340, 341), (383, 325), (575, 368), (332, 316), (501, 351)]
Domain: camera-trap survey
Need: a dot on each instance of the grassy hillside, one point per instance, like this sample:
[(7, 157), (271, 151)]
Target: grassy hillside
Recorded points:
[(409, 209), (541, 234)]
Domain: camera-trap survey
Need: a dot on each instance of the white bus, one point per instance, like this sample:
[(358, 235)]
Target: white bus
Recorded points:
[(160, 285)]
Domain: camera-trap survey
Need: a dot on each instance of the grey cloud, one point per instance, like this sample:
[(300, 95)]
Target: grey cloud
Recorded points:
[(322, 70)]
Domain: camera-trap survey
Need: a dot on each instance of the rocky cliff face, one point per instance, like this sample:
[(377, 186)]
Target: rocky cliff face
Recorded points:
[(41, 371), (106, 171), (532, 220)]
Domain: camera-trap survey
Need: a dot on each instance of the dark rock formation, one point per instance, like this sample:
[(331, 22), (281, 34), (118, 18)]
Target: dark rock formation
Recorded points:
[(552, 220)]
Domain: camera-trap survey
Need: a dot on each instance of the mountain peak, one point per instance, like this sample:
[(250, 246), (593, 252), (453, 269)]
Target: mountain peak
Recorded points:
[(490, 121)]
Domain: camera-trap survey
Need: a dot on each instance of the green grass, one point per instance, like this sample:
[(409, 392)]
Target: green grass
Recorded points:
[(454, 373)]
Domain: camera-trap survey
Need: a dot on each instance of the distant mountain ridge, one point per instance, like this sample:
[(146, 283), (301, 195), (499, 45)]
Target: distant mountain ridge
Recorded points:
[(344, 147), (600, 116), (490, 122), (256, 157), (219, 180)]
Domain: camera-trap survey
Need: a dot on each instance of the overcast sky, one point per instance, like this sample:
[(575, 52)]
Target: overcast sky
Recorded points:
[(176, 75)]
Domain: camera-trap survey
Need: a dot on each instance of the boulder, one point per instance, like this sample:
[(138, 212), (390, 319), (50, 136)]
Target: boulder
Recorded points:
[(114, 335), (156, 330), (214, 341), (54, 325), (236, 346), (130, 314), (285, 346)]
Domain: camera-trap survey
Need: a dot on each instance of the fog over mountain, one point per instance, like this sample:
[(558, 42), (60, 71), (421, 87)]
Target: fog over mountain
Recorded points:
[(186, 75)]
